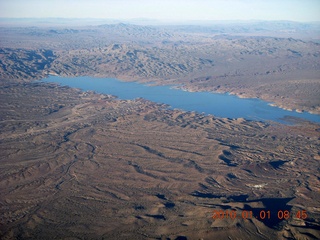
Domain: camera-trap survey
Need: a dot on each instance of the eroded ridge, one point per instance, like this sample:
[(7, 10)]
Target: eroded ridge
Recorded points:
[(83, 164)]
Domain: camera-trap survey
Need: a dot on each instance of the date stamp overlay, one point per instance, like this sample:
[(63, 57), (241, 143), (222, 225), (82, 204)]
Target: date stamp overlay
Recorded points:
[(260, 215)]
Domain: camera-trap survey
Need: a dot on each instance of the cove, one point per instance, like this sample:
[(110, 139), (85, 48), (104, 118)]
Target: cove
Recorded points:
[(217, 104)]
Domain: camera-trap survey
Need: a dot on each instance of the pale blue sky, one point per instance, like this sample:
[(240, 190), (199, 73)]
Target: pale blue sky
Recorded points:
[(295, 10)]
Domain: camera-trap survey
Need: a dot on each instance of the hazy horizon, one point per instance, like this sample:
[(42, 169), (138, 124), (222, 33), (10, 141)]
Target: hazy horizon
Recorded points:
[(165, 10), (78, 22)]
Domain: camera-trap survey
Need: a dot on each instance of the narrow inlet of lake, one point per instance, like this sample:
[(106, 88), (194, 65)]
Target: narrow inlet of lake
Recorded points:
[(219, 105)]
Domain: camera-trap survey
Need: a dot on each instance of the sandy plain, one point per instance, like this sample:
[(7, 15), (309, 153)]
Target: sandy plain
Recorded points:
[(81, 165)]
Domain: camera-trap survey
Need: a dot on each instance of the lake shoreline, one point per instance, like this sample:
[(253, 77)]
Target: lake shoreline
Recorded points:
[(186, 86), (208, 102), (250, 96)]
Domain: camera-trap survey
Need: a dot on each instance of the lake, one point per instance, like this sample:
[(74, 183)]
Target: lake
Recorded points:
[(219, 105)]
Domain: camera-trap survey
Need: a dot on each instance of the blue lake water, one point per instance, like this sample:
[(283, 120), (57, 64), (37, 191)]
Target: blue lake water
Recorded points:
[(219, 105)]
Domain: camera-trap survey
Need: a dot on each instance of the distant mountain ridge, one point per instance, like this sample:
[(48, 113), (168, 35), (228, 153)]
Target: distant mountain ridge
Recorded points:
[(251, 27)]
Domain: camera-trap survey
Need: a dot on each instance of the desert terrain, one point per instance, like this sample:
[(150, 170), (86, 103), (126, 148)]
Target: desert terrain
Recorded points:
[(83, 165), (277, 69)]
